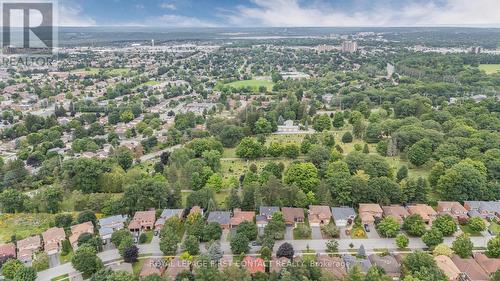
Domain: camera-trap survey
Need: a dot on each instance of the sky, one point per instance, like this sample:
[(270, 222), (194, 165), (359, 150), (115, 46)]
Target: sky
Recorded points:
[(279, 13)]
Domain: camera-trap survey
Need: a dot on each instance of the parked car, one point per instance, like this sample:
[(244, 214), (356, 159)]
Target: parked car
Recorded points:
[(367, 228)]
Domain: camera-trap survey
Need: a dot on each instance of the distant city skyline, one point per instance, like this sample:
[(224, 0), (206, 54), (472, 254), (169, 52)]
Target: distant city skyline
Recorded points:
[(279, 13)]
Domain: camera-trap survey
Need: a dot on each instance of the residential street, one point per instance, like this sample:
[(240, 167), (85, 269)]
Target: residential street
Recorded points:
[(318, 245)]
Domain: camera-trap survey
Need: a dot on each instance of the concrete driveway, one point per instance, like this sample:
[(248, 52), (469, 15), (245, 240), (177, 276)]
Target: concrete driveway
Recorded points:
[(373, 232), (289, 233), (224, 235), (316, 232), (342, 234), (54, 260)]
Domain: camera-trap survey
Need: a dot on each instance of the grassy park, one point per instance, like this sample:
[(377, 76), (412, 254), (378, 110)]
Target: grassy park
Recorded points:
[(490, 68), (254, 84)]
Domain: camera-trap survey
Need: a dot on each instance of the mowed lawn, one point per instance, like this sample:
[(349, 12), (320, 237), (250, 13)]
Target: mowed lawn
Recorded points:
[(23, 225), (490, 68), (254, 84)]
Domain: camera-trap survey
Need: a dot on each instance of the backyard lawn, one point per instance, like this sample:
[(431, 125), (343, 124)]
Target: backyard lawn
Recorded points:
[(466, 229), (23, 225), (495, 227), (66, 258)]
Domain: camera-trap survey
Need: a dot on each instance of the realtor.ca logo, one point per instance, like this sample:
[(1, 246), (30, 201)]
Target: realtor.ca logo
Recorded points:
[(28, 28)]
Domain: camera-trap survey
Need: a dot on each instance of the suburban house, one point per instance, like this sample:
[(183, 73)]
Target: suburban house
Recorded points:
[(343, 216), (143, 220), (489, 265), (52, 240), (152, 266), (240, 216), (79, 229), (268, 211), (333, 265), (351, 261), (292, 216), (254, 264), (425, 211), (265, 215), (167, 214), (396, 211), (448, 267), (452, 208), (470, 268), (319, 215), (7, 251), (27, 248), (176, 266), (369, 212), (277, 264), (486, 209), (220, 217), (109, 225), (388, 263)]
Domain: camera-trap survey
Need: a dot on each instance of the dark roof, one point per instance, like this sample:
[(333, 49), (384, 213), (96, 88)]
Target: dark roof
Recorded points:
[(388, 263), (222, 218), (268, 210), (343, 213), (350, 261)]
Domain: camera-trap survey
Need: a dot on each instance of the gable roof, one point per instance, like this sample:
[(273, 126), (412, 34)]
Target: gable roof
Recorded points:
[(268, 210), (388, 263), (7, 250), (343, 213), (396, 211), (291, 213), (471, 268), (489, 265), (168, 213), (253, 264), (112, 220), (223, 218), (447, 266), (424, 210), (240, 216), (320, 212)]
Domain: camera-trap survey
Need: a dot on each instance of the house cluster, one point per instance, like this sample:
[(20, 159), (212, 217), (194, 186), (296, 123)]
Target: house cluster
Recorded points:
[(478, 268)]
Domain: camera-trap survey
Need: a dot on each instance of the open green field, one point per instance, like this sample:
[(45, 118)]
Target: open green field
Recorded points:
[(490, 68), (238, 167), (254, 84), (23, 225), (148, 83)]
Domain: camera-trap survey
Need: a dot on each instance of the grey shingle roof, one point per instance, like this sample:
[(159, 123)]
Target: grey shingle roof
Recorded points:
[(343, 213), (268, 210), (220, 217)]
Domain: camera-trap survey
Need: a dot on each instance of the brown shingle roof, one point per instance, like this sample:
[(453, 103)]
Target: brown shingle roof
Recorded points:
[(447, 266), (488, 264), (290, 215), (425, 211), (471, 268), (7, 250)]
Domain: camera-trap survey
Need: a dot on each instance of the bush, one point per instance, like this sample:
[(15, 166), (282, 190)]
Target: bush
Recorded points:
[(432, 238), (402, 241), (330, 230), (477, 224), (446, 224), (285, 250), (143, 238)]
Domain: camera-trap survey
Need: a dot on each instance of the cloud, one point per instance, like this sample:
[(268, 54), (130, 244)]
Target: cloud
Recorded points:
[(168, 6), (171, 20), (409, 13), (71, 14)]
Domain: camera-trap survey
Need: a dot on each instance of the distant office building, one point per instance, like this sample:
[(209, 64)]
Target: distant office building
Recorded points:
[(476, 50), (349, 47), (325, 48)]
